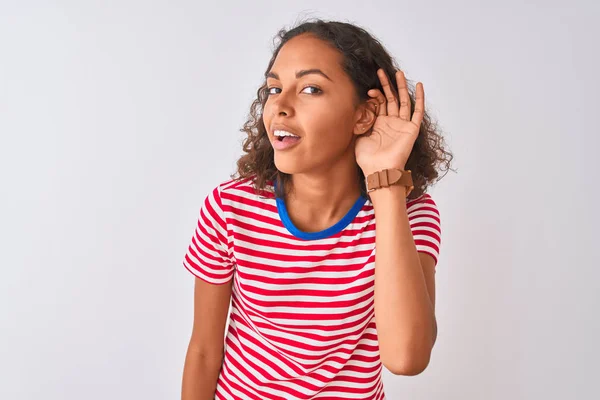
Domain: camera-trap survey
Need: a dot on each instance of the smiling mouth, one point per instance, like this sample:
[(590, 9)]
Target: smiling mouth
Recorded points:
[(281, 134), (287, 138), (281, 138), (285, 142)]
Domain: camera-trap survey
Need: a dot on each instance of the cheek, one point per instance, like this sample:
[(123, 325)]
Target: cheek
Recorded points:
[(324, 117), (330, 122), (266, 113)]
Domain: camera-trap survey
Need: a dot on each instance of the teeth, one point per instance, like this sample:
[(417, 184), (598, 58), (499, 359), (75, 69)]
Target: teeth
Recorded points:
[(284, 133)]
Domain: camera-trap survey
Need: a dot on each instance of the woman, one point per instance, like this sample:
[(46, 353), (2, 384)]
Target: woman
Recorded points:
[(291, 238)]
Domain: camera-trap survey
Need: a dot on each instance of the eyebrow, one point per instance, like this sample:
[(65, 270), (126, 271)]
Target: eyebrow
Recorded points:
[(301, 73)]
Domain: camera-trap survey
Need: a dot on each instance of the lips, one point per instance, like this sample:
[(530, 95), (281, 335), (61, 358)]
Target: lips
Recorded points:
[(285, 143), (282, 127)]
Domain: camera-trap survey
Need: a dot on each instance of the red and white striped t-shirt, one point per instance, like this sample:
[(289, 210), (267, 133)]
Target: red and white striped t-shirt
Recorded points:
[(302, 314)]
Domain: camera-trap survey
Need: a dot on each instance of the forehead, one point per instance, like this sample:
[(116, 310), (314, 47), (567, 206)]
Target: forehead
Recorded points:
[(307, 51)]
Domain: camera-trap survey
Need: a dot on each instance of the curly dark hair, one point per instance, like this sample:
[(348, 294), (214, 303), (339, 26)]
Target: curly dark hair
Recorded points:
[(362, 55)]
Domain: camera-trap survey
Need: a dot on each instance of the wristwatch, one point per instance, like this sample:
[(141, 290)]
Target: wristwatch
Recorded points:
[(388, 177)]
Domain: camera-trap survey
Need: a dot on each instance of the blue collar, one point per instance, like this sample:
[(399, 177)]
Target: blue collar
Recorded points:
[(338, 227)]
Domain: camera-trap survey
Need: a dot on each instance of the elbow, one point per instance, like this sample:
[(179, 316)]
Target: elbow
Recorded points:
[(408, 366), (408, 357)]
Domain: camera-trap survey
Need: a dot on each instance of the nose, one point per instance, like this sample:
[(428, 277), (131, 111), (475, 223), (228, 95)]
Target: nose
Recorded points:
[(282, 105)]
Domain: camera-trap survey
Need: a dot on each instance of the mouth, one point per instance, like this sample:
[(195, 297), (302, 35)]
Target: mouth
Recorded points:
[(284, 141), (280, 134), (283, 135), (285, 138)]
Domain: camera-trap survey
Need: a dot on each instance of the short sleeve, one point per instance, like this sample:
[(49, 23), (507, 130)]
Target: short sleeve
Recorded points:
[(208, 256), (424, 219)]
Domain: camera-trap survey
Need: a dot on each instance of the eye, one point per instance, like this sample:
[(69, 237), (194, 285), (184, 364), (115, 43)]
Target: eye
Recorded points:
[(317, 90)]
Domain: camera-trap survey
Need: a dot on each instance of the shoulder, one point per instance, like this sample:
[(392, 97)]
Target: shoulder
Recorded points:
[(423, 213), (239, 193), (426, 227), (226, 187), (423, 203), (242, 185)]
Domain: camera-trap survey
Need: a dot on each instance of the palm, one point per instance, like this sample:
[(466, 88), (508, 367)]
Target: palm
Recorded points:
[(394, 131), (390, 142)]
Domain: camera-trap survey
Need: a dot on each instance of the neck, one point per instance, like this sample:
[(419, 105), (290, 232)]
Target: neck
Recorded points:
[(319, 199)]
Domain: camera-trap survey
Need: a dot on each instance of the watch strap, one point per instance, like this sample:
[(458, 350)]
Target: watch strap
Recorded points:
[(388, 177)]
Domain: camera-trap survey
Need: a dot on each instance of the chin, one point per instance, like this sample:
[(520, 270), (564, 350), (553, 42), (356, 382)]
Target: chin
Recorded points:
[(289, 166)]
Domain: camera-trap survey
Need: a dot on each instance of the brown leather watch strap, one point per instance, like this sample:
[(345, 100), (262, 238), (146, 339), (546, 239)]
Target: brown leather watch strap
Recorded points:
[(390, 176)]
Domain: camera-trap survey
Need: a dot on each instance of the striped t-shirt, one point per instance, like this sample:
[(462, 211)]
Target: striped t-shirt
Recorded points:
[(302, 313)]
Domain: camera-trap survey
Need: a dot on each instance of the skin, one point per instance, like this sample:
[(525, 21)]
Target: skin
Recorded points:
[(331, 123), (325, 113), (325, 186)]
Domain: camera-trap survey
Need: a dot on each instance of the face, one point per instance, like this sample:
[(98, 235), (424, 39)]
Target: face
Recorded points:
[(311, 97)]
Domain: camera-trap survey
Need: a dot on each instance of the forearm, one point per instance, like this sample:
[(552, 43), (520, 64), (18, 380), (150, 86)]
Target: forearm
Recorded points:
[(200, 376), (403, 310)]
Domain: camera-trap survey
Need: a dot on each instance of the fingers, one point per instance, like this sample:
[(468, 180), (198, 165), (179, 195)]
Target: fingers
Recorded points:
[(417, 117), (388, 104), (404, 112), (392, 104), (380, 98)]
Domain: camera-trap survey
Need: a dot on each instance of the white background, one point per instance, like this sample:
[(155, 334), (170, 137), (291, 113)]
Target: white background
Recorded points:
[(118, 117)]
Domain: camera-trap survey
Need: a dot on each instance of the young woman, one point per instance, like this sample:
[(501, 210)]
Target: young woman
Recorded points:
[(291, 238)]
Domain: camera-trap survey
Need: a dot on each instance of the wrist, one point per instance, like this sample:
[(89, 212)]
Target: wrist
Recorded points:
[(371, 170), (394, 194), (398, 179)]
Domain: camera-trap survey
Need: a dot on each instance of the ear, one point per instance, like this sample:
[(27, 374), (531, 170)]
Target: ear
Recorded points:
[(366, 114)]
